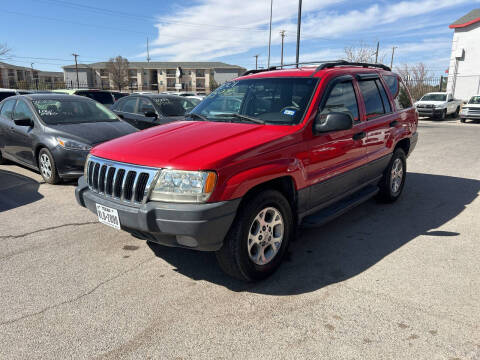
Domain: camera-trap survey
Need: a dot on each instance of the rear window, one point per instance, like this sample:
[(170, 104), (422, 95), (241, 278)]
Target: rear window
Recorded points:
[(399, 92), (102, 97), (173, 106)]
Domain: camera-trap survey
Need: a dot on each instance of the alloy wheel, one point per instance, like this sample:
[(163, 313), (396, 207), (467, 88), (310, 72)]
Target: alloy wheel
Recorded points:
[(396, 175), (45, 166)]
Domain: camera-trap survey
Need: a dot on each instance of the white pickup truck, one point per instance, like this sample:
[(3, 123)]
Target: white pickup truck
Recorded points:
[(438, 105), (471, 110)]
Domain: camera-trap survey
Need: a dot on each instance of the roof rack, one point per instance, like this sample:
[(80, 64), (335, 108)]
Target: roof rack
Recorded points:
[(323, 65)]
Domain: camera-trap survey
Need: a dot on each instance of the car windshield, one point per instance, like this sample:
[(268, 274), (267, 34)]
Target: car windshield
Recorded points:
[(474, 100), (72, 111), (174, 106), (434, 97), (281, 101), (103, 97)]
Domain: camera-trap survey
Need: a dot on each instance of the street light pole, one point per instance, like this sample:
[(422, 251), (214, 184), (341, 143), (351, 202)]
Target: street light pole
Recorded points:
[(270, 34), (282, 34), (299, 21), (256, 61), (393, 52), (76, 69)]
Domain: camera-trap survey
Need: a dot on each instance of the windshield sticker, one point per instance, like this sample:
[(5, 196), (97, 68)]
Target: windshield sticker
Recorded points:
[(289, 112)]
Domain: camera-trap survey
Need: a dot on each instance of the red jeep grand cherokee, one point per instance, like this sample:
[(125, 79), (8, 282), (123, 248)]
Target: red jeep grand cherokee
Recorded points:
[(261, 155)]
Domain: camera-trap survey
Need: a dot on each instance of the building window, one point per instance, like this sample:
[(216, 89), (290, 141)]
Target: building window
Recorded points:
[(161, 82), (171, 72), (103, 72), (200, 73), (11, 72), (132, 73)]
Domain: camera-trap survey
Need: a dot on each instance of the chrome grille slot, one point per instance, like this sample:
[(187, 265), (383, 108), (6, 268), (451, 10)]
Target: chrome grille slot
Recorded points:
[(123, 182)]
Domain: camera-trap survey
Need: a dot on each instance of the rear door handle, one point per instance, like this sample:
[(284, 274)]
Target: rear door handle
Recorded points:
[(359, 136), (394, 123)]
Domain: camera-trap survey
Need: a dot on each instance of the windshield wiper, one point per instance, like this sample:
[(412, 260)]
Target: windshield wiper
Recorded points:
[(243, 117), (193, 115)]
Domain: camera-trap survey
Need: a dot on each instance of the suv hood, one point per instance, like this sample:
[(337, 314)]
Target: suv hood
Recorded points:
[(430, 103), (471, 106), (192, 145)]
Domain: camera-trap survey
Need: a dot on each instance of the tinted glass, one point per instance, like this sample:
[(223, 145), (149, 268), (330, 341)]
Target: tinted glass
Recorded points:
[(22, 111), (117, 95), (171, 106), (103, 97), (474, 100), (73, 111), (386, 102), (434, 97), (372, 98), (5, 94), (274, 100), (398, 91), (341, 99), (145, 105), (128, 105), (7, 109)]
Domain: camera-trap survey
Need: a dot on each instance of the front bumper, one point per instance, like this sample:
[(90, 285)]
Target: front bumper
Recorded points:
[(70, 163), (194, 226), (430, 112), (470, 116)]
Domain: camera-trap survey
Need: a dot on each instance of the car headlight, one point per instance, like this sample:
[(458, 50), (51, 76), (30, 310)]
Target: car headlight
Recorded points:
[(183, 186), (439, 106), (72, 144), (464, 111)]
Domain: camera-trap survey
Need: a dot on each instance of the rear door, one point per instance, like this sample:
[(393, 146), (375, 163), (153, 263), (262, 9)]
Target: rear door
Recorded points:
[(335, 159), (21, 136), (6, 125), (380, 120)]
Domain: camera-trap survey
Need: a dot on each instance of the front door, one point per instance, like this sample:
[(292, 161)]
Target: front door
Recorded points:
[(20, 136), (334, 160)]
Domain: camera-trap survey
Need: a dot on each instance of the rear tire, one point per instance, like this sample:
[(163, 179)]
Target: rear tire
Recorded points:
[(2, 159), (393, 181), (47, 167), (258, 238)]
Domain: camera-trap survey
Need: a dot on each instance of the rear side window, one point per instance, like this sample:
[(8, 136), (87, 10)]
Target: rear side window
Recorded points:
[(5, 94), (22, 111), (341, 99), (145, 106), (128, 105), (7, 109), (372, 98), (399, 92), (386, 102)]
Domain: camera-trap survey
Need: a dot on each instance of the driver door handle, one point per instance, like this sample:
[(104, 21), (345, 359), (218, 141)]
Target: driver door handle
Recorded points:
[(359, 136), (394, 123)]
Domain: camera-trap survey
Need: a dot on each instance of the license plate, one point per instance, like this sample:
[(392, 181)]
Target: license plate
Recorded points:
[(108, 216)]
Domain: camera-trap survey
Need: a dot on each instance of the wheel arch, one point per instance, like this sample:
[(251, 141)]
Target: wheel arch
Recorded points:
[(403, 144)]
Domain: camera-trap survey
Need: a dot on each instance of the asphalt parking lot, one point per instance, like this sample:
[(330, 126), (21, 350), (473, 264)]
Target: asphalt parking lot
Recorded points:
[(398, 281)]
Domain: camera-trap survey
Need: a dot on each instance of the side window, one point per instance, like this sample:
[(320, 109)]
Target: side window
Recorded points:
[(372, 98), (341, 99), (398, 91), (386, 102), (145, 105), (7, 109), (22, 111), (128, 105)]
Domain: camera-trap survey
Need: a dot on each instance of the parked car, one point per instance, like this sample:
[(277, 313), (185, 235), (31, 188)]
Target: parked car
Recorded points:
[(304, 146), (438, 105), (118, 95), (4, 93), (53, 133), (471, 110), (147, 110), (102, 96)]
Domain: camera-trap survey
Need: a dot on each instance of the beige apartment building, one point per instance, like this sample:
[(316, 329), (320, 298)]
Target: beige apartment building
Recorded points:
[(13, 76), (157, 76)]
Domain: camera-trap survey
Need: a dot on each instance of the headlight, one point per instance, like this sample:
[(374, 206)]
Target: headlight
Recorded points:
[(440, 106), (464, 111), (184, 186), (72, 145)]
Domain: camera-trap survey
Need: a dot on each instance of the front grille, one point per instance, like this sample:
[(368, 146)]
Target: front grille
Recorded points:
[(125, 182)]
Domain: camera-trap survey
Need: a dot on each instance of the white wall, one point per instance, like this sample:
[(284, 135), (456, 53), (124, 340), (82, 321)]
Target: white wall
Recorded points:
[(467, 81)]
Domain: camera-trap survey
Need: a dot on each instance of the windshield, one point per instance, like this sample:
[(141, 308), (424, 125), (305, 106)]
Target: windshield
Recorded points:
[(474, 100), (434, 97), (71, 111), (280, 101), (174, 106), (103, 97)]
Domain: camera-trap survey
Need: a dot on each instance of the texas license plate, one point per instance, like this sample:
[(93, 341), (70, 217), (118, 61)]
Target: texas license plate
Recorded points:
[(108, 216)]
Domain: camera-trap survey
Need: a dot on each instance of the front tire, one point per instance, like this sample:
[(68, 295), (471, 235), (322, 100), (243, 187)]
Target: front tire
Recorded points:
[(393, 181), (457, 111), (47, 167), (2, 159), (258, 238), (462, 120), (443, 116)]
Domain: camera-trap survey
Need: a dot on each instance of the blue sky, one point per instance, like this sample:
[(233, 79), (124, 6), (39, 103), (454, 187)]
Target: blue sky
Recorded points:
[(47, 32)]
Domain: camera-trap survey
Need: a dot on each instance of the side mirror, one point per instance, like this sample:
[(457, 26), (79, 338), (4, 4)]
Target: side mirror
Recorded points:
[(335, 121), (23, 122), (150, 113)]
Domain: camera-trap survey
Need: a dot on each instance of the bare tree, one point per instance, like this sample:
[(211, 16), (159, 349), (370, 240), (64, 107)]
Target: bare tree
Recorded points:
[(118, 69), (4, 50), (363, 53), (417, 78)]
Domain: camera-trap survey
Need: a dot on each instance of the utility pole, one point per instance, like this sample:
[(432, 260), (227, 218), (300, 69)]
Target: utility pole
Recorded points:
[(299, 21), (282, 34), (270, 34), (256, 61), (393, 52), (76, 69), (36, 81), (376, 52), (148, 52)]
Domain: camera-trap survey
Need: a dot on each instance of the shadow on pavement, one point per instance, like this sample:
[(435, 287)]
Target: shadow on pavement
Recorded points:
[(350, 244), (17, 190)]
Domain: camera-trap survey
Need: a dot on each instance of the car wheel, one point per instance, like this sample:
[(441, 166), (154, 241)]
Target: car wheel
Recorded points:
[(462, 120), (455, 114), (258, 238), (47, 167), (393, 181), (443, 116)]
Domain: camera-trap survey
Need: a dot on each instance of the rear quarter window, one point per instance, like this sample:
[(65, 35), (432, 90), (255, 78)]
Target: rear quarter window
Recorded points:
[(398, 91)]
